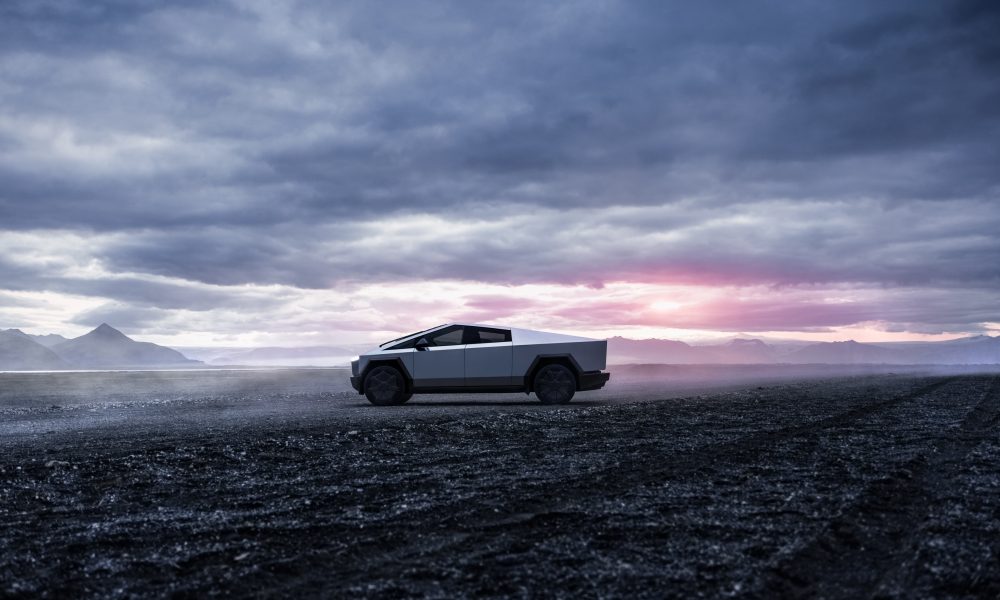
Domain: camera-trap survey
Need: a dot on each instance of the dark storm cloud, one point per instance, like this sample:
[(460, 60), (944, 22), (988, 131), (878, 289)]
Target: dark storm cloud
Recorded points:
[(224, 256), (130, 289), (364, 110), (904, 82), (258, 143), (914, 244)]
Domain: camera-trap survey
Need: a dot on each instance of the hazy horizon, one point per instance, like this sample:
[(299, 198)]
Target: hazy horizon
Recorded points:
[(719, 338), (284, 174)]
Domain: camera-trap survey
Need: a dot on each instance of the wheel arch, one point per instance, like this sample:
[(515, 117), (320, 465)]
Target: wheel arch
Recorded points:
[(541, 360), (397, 363)]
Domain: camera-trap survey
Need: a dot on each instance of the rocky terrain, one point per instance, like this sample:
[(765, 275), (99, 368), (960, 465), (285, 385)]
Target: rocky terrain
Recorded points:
[(283, 482)]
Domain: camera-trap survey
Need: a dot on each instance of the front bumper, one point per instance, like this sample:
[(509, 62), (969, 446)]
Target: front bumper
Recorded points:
[(356, 375), (593, 380)]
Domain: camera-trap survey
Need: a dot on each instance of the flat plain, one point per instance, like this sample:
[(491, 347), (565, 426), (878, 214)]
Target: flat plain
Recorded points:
[(670, 482)]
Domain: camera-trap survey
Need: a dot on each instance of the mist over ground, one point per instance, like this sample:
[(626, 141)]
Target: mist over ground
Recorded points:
[(38, 403)]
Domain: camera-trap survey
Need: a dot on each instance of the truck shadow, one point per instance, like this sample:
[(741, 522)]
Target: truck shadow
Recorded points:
[(472, 403)]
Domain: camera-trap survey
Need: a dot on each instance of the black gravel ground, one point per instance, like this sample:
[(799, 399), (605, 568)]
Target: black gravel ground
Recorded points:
[(873, 485)]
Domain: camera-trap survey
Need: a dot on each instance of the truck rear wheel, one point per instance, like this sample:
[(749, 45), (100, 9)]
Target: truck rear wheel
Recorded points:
[(385, 386), (555, 384)]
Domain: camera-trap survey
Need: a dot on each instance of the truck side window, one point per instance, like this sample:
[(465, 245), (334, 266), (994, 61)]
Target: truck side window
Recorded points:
[(482, 335), (451, 336)]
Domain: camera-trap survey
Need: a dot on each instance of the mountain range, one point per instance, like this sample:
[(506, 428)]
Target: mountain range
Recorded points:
[(19, 352), (102, 348)]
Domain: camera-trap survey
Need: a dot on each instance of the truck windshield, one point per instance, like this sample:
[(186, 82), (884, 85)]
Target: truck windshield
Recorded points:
[(383, 344)]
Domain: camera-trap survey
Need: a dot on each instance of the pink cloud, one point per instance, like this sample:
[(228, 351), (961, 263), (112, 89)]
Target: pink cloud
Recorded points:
[(722, 314), (767, 315), (499, 304)]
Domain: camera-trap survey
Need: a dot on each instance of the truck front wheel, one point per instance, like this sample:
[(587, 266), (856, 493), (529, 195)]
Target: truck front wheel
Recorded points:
[(385, 386)]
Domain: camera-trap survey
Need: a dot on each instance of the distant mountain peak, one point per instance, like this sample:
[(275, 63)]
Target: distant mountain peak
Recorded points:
[(105, 346), (107, 331)]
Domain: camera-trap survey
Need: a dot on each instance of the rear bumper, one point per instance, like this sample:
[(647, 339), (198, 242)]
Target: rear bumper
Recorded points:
[(356, 384), (593, 380)]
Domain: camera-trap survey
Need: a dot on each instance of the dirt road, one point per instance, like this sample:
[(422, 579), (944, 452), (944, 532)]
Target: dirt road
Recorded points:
[(873, 485)]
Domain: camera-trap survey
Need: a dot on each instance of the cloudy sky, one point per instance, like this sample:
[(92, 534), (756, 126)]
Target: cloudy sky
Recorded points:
[(268, 172)]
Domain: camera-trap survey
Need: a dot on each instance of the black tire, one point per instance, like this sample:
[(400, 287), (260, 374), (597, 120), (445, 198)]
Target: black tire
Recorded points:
[(555, 384), (385, 386)]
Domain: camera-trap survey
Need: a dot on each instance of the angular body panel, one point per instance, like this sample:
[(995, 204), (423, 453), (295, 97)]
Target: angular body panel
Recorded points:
[(590, 355), (489, 364), (443, 366)]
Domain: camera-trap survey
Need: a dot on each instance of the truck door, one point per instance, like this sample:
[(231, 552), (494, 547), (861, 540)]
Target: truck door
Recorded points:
[(441, 361), (489, 356)]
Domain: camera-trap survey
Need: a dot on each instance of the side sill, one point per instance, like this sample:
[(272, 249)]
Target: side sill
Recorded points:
[(471, 389)]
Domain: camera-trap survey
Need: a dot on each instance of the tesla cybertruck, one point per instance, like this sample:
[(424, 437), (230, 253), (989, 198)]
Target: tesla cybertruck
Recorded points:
[(459, 357)]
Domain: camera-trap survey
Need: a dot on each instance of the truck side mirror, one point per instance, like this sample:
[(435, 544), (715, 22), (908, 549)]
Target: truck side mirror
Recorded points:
[(422, 344)]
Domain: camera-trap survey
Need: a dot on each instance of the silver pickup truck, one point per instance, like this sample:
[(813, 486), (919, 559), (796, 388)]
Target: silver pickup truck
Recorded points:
[(462, 357)]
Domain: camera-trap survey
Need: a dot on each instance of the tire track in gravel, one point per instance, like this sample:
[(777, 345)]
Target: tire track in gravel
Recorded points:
[(465, 532), (864, 548), (625, 477)]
